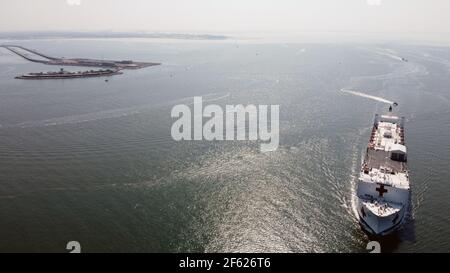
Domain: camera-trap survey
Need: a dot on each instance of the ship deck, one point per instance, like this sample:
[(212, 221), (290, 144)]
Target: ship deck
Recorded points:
[(378, 166), (381, 208), (376, 159)]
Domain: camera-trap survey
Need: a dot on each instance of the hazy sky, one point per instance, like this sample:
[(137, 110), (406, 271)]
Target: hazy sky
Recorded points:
[(227, 15)]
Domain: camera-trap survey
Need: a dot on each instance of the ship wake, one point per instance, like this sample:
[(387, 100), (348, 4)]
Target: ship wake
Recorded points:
[(364, 95)]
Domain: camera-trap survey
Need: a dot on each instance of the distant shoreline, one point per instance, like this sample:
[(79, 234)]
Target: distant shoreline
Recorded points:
[(114, 35)]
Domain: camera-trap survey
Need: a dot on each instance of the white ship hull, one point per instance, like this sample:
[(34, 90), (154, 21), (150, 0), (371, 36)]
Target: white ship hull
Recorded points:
[(383, 185), (380, 225)]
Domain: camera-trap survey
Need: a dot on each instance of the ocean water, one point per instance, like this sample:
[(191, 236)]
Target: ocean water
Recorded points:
[(94, 161)]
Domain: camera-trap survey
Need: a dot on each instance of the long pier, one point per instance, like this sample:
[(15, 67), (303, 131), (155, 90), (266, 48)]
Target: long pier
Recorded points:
[(114, 67), (30, 50), (76, 61), (11, 48)]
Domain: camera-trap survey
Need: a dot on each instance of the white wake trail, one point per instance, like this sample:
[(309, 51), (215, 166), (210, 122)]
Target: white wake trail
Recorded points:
[(357, 93), (390, 55)]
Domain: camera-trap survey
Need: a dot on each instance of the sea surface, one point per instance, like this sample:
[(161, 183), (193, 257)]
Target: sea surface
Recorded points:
[(93, 161)]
